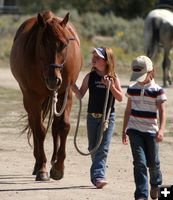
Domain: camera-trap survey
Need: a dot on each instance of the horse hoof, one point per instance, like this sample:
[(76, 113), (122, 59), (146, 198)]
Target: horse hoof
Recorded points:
[(42, 176), (56, 174), (36, 169), (34, 172)]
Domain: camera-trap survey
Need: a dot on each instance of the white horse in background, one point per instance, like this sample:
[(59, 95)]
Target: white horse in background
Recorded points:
[(158, 31)]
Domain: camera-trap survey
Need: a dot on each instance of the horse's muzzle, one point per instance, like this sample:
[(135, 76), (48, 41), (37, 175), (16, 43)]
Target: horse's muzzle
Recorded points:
[(53, 83)]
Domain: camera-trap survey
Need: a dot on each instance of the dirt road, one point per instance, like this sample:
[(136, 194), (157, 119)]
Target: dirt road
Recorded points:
[(16, 162)]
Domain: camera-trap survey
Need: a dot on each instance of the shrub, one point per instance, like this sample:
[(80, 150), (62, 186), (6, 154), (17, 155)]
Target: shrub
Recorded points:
[(94, 30)]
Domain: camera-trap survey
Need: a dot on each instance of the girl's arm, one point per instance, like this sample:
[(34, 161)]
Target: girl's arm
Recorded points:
[(126, 119), (81, 92), (162, 120), (115, 87)]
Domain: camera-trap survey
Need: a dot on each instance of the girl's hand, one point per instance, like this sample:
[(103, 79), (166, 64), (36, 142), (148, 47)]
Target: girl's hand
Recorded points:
[(76, 91), (106, 79)]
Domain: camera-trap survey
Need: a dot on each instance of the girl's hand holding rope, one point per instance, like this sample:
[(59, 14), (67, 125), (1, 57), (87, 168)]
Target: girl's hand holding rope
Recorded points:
[(106, 79), (76, 91)]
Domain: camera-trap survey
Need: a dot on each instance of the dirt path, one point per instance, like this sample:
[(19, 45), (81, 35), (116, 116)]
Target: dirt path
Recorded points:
[(7, 80), (16, 164)]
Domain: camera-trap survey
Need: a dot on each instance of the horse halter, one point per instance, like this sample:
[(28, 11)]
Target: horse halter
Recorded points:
[(54, 65), (55, 94)]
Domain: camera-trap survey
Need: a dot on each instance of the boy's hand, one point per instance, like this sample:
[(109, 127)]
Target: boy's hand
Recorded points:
[(124, 138), (159, 136)]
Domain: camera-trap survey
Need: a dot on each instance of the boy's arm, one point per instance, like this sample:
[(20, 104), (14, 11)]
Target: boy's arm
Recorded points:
[(126, 119), (162, 120)]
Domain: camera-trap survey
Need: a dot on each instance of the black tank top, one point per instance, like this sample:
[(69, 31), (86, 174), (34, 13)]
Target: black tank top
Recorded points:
[(97, 94)]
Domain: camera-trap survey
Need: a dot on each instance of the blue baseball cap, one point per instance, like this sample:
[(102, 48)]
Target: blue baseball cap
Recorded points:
[(101, 52)]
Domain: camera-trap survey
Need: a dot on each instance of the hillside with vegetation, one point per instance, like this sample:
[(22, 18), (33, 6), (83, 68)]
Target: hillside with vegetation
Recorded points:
[(117, 24), (124, 36)]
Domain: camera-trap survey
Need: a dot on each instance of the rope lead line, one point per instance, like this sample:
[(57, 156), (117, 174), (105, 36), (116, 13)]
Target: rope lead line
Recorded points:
[(104, 125), (55, 100)]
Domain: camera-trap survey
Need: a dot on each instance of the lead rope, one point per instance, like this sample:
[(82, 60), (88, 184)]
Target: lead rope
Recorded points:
[(104, 124), (55, 100)]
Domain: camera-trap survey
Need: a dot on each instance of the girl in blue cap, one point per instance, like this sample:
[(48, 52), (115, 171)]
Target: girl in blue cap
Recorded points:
[(96, 81)]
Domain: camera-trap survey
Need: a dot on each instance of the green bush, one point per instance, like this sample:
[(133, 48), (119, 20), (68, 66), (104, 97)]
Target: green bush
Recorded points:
[(129, 35), (126, 34)]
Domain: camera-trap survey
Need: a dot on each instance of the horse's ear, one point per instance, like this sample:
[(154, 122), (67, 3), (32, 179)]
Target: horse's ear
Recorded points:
[(40, 20), (65, 20)]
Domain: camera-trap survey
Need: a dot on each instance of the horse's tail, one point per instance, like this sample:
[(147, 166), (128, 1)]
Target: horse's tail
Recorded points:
[(46, 113), (151, 37)]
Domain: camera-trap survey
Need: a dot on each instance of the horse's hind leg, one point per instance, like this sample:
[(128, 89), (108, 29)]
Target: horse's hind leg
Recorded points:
[(166, 69), (60, 129), (33, 108)]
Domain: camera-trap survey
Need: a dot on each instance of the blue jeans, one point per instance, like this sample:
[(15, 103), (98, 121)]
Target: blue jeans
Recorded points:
[(98, 167), (145, 151)]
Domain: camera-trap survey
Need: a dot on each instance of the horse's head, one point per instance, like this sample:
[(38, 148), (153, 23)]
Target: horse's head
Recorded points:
[(54, 44)]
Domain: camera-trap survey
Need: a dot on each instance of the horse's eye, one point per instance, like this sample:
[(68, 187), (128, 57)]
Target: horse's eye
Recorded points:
[(60, 47), (64, 46)]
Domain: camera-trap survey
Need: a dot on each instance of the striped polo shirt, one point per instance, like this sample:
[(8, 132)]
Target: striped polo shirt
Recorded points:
[(143, 117)]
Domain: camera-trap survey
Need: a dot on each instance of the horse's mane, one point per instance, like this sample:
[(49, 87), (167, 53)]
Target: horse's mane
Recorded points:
[(55, 23), (70, 29), (34, 30)]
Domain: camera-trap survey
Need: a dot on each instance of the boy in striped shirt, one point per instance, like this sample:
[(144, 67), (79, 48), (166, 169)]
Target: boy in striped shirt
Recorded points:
[(145, 100)]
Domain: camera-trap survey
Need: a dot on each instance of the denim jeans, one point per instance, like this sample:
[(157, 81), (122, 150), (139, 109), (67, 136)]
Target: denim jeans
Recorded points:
[(145, 151), (98, 167)]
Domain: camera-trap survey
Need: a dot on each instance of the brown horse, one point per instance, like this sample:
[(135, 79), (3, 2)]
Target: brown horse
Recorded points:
[(45, 58)]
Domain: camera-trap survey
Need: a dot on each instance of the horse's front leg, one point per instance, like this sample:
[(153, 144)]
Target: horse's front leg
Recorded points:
[(40, 169), (60, 130), (33, 108)]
